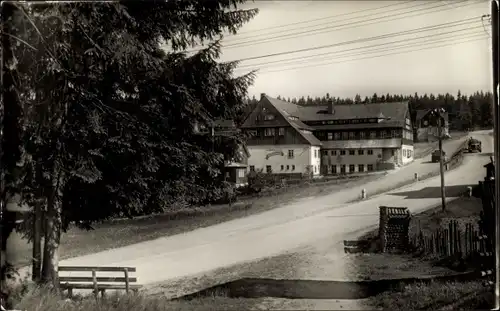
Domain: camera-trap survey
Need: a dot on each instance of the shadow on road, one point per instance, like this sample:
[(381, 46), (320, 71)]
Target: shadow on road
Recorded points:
[(430, 162), (313, 289), (433, 192)]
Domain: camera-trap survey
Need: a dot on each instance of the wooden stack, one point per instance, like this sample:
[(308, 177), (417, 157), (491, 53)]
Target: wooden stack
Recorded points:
[(394, 228)]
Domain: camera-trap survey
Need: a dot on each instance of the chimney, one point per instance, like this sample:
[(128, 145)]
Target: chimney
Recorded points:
[(330, 106), (262, 95)]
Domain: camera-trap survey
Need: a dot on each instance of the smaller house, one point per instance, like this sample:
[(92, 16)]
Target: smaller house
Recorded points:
[(426, 127), (235, 169)]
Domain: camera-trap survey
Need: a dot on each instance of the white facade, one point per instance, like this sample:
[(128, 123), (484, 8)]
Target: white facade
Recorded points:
[(408, 154), (338, 161), (285, 159)]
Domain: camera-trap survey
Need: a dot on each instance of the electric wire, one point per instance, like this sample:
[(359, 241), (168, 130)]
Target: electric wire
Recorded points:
[(363, 40), (373, 57), (357, 48), (352, 25)]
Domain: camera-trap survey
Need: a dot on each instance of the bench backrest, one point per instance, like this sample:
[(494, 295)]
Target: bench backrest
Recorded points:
[(94, 279)]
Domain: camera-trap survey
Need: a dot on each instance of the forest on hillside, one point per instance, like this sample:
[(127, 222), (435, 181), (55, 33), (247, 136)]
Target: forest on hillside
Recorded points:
[(465, 111)]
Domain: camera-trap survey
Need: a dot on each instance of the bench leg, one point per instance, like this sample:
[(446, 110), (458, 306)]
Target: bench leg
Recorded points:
[(103, 291), (70, 292)]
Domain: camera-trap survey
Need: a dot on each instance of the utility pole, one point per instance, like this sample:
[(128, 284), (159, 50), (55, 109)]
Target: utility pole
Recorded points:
[(441, 160)]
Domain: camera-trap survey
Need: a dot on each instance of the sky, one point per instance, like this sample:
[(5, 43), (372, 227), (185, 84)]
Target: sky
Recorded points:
[(360, 34)]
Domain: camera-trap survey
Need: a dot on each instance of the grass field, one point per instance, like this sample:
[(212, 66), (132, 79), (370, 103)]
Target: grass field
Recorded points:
[(434, 296)]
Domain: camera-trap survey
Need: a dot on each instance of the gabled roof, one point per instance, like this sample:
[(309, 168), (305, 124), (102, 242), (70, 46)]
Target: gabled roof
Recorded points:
[(423, 112), (394, 111), (287, 110)]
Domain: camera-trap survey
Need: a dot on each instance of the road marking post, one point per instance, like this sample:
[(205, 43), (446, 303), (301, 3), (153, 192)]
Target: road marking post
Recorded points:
[(363, 194), (416, 176)]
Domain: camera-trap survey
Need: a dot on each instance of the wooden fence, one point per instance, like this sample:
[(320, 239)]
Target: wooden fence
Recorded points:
[(472, 242), (455, 241)]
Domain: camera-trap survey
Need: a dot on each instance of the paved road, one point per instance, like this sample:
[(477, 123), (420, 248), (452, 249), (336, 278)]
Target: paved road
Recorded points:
[(278, 230)]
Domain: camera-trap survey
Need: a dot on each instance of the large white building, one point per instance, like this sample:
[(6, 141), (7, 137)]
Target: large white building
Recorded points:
[(336, 139)]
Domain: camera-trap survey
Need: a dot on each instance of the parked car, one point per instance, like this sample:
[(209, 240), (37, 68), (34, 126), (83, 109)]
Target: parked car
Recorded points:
[(474, 145), (436, 156)]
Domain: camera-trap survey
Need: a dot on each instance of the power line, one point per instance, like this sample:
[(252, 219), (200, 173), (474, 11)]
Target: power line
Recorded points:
[(383, 49), (375, 20), (376, 56), (329, 23), (202, 46), (323, 18), (394, 34), (358, 48), (332, 28)]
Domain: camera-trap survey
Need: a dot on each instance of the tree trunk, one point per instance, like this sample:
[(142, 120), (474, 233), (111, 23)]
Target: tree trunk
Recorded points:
[(53, 226), (37, 242), (13, 157), (50, 267)]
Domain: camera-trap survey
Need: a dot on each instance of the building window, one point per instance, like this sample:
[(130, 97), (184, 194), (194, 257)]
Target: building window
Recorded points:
[(394, 133), (281, 131), (334, 169), (361, 135), (269, 132), (370, 167), (336, 136), (370, 152), (252, 133), (252, 168), (269, 117), (269, 170), (241, 173), (290, 154), (342, 169), (352, 135), (351, 168), (393, 152), (361, 152), (333, 152), (345, 135), (330, 135), (325, 152), (282, 167), (351, 152), (315, 169), (382, 134), (342, 152), (373, 134), (404, 152), (316, 153), (408, 153), (293, 167), (361, 168), (287, 167)]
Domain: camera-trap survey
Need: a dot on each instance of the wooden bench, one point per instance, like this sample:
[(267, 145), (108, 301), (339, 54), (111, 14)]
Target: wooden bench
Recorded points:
[(98, 283)]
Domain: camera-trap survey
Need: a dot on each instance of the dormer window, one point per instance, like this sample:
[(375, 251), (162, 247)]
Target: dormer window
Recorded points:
[(269, 117), (292, 118)]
